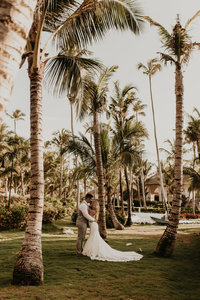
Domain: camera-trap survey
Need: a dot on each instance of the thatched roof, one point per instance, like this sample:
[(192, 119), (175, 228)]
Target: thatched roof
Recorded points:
[(153, 180)]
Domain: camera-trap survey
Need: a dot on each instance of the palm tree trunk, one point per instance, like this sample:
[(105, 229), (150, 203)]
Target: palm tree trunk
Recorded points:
[(6, 188), (143, 189), (166, 244), (129, 208), (131, 188), (157, 151), (76, 159), (61, 177), (16, 17), (116, 223), (99, 166), (29, 266), (22, 183), (138, 190), (11, 180), (85, 185), (121, 191)]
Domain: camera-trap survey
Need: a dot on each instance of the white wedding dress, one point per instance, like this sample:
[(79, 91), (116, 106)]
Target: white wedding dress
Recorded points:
[(96, 248)]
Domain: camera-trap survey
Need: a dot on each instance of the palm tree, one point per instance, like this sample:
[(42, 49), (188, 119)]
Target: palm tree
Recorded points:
[(110, 164), (194, 183), (17, 115), (60, 140), (86, 152), (178, 46), (13, 33), (68, 22), (15, 147), (119, 110), (138, 108), (151, 69), (128, 152), (95, 100), (192, 132), (64, 72)]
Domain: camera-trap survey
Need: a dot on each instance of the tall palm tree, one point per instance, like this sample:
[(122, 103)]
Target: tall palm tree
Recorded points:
[(110, 164), (95, 100), (16, 116), (151, 69), (15, 18), (86, 152), (64, 73), (178, 46), (69, 23), (119, 109), (128, 152)]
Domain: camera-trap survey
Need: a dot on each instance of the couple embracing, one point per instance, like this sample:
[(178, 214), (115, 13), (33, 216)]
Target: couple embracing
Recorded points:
[(95, 247)]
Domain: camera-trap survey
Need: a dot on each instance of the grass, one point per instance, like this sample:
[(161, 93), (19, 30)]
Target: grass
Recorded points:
[(71, 277)]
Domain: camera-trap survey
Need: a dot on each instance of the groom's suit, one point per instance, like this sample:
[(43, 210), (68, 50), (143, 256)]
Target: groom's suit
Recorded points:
[(81, 223)]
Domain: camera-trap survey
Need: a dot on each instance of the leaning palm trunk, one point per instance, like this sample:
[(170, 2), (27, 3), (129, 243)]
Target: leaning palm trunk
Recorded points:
[(121, 192), (76, 159), (22, 183), (29, 266), (99, 166), (15, 18), (111, 211), (10, 187), (138, 191), (143, 189), (157, 151), (61, 177), (129, 206), (167, 242)]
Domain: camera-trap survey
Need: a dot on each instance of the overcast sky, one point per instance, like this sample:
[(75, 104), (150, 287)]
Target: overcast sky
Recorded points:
[(126, 50)]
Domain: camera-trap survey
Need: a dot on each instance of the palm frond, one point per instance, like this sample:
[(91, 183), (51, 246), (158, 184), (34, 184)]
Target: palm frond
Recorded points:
[(192, 19), (57, 11), (164, 34), (64, 72), (166, 58), (93, 19)]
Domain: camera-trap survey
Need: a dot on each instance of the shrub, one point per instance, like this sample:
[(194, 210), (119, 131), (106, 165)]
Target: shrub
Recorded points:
[(15, 218), (189, 216), (49, 215)]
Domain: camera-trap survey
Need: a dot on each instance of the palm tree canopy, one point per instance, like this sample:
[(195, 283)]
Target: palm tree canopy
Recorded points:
[(64, 72), (95, 93), (153, 65), (177, 44), (81, 24), (17, 115)]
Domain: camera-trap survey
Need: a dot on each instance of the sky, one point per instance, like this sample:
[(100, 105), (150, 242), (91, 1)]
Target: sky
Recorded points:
[(126, 50)]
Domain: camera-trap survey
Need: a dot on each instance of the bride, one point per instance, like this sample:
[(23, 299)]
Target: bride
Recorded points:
[(96, 248)]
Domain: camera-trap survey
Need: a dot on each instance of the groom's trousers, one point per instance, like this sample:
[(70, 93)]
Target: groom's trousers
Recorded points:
[(82, 228)]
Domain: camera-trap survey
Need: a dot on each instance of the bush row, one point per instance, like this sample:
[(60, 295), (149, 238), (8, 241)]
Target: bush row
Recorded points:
[(189, 216), (15, 218)]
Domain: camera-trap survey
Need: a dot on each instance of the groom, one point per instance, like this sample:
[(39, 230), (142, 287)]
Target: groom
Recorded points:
[(82, 221)]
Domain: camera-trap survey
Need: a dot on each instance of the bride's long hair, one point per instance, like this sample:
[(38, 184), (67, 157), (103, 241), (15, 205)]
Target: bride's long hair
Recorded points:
[(95, 207)]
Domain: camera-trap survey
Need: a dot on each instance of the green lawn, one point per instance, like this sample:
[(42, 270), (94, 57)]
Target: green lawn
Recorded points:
[(71, 277)]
